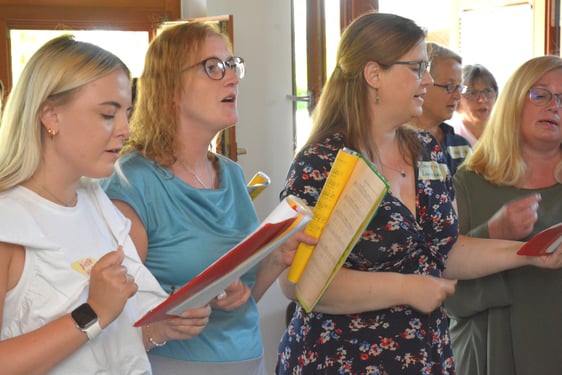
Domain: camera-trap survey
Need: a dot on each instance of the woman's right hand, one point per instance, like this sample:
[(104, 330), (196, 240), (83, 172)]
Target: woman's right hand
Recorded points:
[(234, 296), (426, 293), (184, 327), (110, 287), (515, 220)]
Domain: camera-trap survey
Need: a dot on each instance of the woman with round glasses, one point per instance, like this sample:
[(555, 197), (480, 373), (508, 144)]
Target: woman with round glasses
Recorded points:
[(476, 103), (511, 188), (188, 205)]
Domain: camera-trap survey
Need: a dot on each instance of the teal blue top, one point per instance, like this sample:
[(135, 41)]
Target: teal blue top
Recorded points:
[(188, 229)]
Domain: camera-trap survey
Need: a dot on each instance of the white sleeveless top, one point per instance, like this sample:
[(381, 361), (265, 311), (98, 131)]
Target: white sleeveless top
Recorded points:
[(61, 245)]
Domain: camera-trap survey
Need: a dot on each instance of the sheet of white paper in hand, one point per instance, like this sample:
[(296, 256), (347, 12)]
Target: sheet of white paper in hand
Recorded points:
[(288, 217)]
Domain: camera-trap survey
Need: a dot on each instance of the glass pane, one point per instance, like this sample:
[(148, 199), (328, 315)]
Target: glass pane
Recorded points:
[(514, 38), (303, 122), (302, 117), (479, 41), (130, 46), (333, 33), (433, 15)]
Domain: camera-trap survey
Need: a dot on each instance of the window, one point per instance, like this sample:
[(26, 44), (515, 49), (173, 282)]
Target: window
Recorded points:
[(129, 46), (317, 26), (114, 15), (500, 35)]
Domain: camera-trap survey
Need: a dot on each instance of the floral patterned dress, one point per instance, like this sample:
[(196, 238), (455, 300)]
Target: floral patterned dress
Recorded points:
[(396, 340)]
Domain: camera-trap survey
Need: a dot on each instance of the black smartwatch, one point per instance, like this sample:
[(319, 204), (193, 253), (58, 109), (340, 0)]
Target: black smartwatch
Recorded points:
[(86, 320)]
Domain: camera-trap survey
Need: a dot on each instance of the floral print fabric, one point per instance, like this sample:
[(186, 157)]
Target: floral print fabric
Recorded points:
[(396, 340)]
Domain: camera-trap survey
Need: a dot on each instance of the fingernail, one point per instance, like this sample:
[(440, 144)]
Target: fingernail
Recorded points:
[(221, 295)]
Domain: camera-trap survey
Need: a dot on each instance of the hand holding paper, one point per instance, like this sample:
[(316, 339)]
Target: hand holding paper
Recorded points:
[(350, 197), (544, 242), (288, 217), (231, 298)]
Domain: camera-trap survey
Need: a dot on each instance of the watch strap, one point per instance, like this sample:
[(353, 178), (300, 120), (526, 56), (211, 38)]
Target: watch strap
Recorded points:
[(86, 320), (93, 331)]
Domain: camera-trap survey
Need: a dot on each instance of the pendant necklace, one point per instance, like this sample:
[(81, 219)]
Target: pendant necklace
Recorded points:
[(212, 177)]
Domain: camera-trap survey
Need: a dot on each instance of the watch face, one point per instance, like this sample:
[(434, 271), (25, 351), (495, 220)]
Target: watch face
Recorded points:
[(84, 316)]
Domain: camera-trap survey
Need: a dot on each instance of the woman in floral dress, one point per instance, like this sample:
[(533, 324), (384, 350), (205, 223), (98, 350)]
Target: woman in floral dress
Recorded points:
[(383, 313)]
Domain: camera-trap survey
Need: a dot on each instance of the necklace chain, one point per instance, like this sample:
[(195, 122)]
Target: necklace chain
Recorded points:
[(57, 200), (401, 170), (199, 180)]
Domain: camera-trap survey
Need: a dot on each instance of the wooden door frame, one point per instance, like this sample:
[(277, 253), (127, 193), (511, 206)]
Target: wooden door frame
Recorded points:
[(126, 15), (316, 38), (552, 27)]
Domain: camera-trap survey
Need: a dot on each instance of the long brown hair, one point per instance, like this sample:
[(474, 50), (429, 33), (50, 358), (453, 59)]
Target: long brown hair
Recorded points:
[(343, 105)]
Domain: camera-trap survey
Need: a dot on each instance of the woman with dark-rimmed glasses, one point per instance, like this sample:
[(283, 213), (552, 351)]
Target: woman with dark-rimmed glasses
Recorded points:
[(188, 205), (511, 188), (383, 312)]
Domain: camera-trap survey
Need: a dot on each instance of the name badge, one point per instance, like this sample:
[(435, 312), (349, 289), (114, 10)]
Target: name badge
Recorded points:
[(432, 170), (84, 266), (459, 152)]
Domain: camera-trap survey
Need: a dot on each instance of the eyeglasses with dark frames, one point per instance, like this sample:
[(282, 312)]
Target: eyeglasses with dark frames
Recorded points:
[(542, 97), (423, 66), (451, 88), (487, 93), (216, 68)]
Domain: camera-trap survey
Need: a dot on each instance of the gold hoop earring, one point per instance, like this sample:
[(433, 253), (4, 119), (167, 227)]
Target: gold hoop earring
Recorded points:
[(51, 133)]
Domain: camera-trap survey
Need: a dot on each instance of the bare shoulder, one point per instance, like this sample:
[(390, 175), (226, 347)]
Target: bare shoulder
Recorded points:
[(12, 259)]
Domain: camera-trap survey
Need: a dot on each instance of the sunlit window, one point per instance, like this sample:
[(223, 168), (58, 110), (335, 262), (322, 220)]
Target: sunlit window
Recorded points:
[(303, 122), (130, 46), (471, 28)]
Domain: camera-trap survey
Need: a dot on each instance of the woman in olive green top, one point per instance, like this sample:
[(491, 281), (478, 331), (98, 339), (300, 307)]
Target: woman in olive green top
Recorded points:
[(511, 188)]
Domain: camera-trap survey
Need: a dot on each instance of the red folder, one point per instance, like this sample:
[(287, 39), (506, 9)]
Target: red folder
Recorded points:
[(290, 216), (544, 242)]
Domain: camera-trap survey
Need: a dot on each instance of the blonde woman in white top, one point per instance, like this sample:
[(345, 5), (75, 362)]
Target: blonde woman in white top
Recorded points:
[(72, 283)]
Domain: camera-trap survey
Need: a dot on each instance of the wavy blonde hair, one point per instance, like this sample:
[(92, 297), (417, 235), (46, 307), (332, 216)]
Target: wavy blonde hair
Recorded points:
[(497, 155), (53, 75)]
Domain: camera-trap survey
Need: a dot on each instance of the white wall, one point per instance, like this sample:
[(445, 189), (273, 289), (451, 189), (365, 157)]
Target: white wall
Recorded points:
[(262, 36)]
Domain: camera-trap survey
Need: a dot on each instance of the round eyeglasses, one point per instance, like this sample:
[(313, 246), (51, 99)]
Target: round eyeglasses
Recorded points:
[(216, 68), (452, 88), (487, 94), (542, 97)]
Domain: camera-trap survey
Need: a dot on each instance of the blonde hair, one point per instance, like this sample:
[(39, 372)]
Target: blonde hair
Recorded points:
[(53, 75), (497, 155), (343, 105), (154, 120)]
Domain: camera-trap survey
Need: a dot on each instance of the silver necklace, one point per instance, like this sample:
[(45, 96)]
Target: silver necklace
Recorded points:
[(401, 170), (191, 171)]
